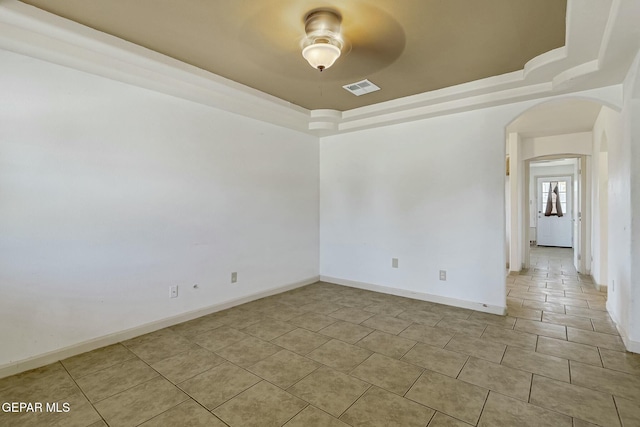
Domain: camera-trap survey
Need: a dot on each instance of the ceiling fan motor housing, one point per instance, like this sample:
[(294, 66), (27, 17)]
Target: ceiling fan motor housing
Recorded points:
[(323, 44)]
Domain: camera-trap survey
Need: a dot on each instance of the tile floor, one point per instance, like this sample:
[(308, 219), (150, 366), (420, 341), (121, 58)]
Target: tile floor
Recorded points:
[(328, 355)]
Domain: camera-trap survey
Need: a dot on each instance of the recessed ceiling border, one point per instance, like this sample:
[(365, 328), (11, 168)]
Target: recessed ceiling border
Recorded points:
[(33, 32)]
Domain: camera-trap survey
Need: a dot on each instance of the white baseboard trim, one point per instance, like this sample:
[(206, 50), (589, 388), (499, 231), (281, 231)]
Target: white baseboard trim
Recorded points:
[(487, 308), (598, 286), (82, 347), (630, 345)]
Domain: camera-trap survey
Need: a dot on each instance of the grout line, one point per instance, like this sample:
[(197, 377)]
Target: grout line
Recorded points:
[(415, 381), (464, 365), (164, 412), (83, 393), (235, 395), (530, 388), (135, 385), (133, 356), (615, 404), (296, 414), (409, 325), (600, 354), (405, 353), (506, 347), (432, 417), (358, 365), (322, 410), (451, 339), (483, 406), (306, 376), (360, 397)]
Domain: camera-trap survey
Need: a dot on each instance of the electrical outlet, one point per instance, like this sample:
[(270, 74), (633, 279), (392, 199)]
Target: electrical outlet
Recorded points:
[(394, 262), (443, 274), (234, 277), (173, 290)]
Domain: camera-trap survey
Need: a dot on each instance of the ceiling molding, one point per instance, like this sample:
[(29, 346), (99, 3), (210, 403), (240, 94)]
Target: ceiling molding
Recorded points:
[(591, 34), (30, 31), (564, 79)]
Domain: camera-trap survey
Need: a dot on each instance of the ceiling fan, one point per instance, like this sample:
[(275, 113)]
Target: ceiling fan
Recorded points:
[(362, 39), (323, 43)]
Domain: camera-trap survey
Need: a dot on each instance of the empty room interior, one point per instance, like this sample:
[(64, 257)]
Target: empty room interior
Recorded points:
[(320, 213)]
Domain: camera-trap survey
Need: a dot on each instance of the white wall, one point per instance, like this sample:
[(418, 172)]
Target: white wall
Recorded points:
[(514, 211), (606, 126), (507, 237), (430, 193), (571, 143), (632, 115), (623, 138), (112, 193)]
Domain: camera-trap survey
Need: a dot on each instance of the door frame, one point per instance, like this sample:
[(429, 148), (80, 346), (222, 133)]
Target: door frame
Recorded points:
[(582, 241)]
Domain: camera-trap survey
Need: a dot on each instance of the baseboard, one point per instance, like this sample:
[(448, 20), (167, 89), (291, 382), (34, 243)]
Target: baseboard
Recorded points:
[(487, 308), (73, 350), (599, 287), (630, 345)]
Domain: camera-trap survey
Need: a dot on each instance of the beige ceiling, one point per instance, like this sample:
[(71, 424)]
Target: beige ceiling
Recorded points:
[(557, 118), (404, 46)]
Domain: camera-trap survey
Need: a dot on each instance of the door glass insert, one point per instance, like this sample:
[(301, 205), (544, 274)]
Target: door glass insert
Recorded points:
[(562, 192)]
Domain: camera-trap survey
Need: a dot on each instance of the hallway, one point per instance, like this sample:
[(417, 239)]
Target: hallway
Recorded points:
[(553, 260), (553, 286), (569, 315)]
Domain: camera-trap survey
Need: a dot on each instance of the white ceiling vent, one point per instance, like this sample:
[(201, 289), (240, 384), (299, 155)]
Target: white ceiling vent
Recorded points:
[(361, 87)]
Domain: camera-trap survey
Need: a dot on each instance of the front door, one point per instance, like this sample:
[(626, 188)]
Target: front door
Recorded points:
[(554, 230)]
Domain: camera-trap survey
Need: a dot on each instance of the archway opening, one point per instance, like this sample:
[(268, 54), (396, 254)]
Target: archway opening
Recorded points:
[(555, 141)]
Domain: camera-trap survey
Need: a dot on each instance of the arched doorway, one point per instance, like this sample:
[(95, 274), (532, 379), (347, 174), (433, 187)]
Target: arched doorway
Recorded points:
[(557, 131)]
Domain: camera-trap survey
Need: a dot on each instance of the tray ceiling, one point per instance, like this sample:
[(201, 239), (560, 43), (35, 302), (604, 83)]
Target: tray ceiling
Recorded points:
[(406, 47)]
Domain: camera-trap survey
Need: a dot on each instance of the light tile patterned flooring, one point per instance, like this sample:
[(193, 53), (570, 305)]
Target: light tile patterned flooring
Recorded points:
[(328, 355)]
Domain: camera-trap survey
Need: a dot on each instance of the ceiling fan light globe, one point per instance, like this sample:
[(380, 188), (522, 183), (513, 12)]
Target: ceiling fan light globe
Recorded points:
[(321, 55)]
